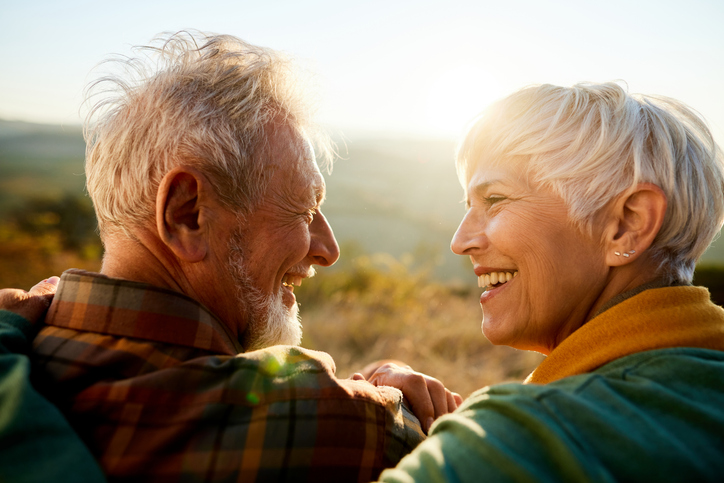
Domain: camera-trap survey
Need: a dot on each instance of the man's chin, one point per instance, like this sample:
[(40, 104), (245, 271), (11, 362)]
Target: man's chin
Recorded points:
[(288, 299), (281, 326)]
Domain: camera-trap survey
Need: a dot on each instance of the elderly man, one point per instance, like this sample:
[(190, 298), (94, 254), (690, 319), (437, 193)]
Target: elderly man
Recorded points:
[(169, 363)]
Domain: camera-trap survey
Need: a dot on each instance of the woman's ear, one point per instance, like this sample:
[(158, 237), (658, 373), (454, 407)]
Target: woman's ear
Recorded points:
[(180, 219), (633, 223)]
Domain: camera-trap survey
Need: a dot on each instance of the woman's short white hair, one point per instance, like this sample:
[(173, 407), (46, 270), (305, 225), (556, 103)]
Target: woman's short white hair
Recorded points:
[(592, 142), (195, 99)]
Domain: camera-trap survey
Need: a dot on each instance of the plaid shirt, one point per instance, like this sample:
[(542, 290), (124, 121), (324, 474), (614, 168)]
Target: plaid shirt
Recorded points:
[(156, 387)]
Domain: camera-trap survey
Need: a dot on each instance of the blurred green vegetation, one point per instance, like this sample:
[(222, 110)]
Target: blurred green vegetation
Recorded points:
[(46, 236), (712, 277), (71, 219)]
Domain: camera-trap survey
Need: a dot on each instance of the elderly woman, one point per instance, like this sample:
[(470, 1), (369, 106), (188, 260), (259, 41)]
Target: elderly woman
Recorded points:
[(587, 209)]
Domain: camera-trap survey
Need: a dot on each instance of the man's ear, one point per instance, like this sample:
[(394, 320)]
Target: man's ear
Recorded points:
[(180, 217), (634, 221)]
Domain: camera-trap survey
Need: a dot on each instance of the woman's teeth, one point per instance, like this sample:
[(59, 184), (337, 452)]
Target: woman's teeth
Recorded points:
[(494, 278)]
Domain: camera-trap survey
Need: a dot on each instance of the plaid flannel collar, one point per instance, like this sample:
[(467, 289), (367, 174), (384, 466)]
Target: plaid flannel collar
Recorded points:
[(93, 302)]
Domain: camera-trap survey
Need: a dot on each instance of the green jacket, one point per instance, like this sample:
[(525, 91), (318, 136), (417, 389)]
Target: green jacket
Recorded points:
[(652, 416), (36, 442)]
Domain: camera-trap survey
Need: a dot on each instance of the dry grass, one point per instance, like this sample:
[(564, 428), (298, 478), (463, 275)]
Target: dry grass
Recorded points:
[(375, 309)]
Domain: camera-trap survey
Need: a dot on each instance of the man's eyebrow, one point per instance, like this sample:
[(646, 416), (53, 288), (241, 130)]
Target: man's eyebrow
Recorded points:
[(320, 194)]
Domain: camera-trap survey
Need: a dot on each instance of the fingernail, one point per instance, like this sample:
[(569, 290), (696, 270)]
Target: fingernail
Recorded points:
[(53, 280)]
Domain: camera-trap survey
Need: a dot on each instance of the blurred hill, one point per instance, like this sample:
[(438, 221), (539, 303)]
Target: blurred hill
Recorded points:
[(398, 195), (39, 161), (402, 197)]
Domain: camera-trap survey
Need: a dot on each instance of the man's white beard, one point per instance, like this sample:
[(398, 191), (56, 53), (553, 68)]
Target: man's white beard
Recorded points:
[(269, 321)]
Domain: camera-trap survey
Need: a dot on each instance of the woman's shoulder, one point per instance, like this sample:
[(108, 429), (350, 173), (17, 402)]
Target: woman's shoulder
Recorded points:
[(651, 415)]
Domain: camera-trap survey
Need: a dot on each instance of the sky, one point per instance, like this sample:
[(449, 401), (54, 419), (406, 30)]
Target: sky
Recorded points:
[(388, 67)]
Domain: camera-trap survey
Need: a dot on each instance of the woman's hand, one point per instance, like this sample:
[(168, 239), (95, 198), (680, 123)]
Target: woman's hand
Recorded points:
[(32, 304), (429, 398)]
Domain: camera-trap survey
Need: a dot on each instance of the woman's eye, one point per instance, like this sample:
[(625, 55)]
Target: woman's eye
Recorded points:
[(491, 200)]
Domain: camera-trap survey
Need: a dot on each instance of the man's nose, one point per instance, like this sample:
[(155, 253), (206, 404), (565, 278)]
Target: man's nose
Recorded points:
[(323, 246)]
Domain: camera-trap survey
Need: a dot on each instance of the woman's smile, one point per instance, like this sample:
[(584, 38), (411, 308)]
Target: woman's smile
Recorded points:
[(492, 279), (494, 288)]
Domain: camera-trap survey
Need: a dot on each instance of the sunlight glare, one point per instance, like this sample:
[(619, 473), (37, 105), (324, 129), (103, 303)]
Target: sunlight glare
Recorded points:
[(457, 96)]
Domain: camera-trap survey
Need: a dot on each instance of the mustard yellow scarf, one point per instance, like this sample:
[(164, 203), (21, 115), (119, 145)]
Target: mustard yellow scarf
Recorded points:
[(654, 319)]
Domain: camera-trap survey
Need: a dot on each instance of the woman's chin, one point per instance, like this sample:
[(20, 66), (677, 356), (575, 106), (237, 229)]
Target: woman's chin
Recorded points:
[(496, 333)]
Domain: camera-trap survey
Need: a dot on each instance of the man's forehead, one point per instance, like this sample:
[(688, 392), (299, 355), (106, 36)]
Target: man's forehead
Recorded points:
[(306, 176), (308, 164), (317, 184)]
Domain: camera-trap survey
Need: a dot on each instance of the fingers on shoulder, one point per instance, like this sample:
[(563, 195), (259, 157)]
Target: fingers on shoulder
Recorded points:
[(45, 287), (31, 304)]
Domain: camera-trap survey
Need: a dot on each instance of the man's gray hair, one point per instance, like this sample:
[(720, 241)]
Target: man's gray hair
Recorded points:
[(591, 142), (193, 99)]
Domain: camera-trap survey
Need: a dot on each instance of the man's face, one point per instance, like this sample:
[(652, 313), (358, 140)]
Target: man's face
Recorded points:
[(275, 247)]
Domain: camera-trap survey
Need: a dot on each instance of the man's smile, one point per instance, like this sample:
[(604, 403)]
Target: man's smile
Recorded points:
[(291, 280)]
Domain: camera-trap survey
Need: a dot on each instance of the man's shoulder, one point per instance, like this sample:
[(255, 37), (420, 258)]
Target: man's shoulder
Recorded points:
[(280, 400), (272, 374), (310, 374), (91, 302), (118, 330)]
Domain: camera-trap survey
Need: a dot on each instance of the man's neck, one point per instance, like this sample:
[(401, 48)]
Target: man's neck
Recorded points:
[(141, 260), (145, 258)]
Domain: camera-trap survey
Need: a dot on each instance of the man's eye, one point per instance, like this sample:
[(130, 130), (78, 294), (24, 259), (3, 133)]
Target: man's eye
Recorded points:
[(310, 215)]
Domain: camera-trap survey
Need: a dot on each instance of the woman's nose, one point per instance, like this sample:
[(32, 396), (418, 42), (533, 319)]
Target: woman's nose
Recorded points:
[(468, 236)]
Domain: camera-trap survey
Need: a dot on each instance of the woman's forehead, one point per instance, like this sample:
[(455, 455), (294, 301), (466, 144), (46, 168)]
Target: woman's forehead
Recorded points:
[(485, 175)]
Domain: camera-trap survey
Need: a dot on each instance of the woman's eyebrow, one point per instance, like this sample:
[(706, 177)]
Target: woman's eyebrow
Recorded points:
[(480, 189)]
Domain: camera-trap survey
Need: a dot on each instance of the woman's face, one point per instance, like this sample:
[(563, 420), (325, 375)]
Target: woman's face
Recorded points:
[(557, 271)]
